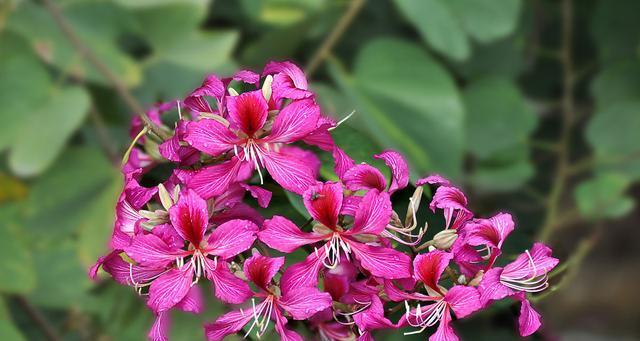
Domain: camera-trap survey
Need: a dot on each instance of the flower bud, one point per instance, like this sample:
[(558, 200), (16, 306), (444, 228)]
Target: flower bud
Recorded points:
[(266, 87), (445, 238)]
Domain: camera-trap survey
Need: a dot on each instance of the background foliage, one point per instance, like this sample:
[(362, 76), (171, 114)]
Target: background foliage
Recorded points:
[(531, 105)]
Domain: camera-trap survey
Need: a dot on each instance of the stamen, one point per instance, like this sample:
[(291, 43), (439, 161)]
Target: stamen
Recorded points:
[(528, 283), (342, 121), (434, 314)]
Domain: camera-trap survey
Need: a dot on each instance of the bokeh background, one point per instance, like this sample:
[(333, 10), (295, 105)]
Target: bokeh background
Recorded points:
[(533, 106)]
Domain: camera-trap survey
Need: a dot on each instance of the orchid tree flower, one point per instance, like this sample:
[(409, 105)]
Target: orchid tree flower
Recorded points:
[(300, 304), (193, 254), (529, 273), (359, 239), (460, 300)]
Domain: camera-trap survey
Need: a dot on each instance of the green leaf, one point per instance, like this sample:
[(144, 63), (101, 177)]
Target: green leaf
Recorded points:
[(166, 24), (201, 50), (135, 4), (62, 280), (617, 82), (298, 204), (99, 26), (613, 134), (275, 44), (24, 85), (438, 26), (509, 51), (447, 25), (503, 177), (413, 106), (59, 200), (17, 272), (497, 116), (603, 197), (9, 332), (47, 131)]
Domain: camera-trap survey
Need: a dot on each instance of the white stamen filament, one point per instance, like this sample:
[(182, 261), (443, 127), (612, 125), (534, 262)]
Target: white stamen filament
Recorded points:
[(528, 283), (412, 239), (252, 152), (333, 249), (261, 316), (433, 314), (342, 121)]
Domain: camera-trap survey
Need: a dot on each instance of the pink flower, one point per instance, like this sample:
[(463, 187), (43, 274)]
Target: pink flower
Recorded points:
[(288, 80), (324, 203), (301, 303), (253, 143), (527, 274), (205, 255), (364, 177)]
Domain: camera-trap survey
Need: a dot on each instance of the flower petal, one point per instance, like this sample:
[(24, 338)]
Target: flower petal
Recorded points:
[(490, 287), (342, 162), (193, 302), (303, 274), (364, 177), (492, 231), (247, 76), (463, 300), (248, 111), (288, 81), (444, 332), (210, 136), (189, 216), (151, 250), (433, 179), (227, 287), (295, 121), (260, 269), (382, 261), (214, 180), (448, 198), (428, 267), (169, 289), (285, 333), (291, 173), (522, 267), (281, 234), (399, 169), (262, 195), (227, 324), (321, 136), (232, 238), (323, 201), (160, 328), (529, 320), (305, 302), (373, 214)]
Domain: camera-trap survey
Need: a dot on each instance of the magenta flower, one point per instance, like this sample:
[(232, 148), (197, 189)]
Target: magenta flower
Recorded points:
[(205, 255), (324, 203), (527, 274), (300, 304), (288, 81)]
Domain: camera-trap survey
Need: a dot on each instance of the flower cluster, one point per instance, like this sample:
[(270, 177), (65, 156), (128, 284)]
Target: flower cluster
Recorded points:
[(364, 263)]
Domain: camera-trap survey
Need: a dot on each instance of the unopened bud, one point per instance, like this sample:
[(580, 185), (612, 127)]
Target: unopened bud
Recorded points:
[(462, 280), (165, 197), (445, 238), (266, 87), (233, 92)]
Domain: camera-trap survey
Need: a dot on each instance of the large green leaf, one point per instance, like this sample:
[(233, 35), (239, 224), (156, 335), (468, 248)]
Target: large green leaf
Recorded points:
[(24, 85), (447, 25), (603, 196), (60, 200), (413, 106), (9, 332), (99, 26), (166, 24), (497, 116), (616, 83), (17, 272), (47, 130), (613, 134)]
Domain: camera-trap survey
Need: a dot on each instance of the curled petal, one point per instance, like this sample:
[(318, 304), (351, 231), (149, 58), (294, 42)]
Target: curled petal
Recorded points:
[(262, 195), (364, 177), (260, 269), (342, 162), (288, 81), (160, 328), (529, 320), (321, 136), (492, 231), (373, 214), (399, 169), (448, 198), (434, 179), (428, 267)]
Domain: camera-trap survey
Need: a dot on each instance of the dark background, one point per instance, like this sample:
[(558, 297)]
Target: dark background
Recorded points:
[(532, 106)]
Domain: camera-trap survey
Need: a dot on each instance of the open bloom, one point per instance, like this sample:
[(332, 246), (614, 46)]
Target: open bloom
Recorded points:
[(461, 300), (204, 255), (324, 202), (269, 303), (527, 274)]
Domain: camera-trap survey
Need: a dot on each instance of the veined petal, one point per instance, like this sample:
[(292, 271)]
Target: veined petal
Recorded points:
[(373, 214), (364, 177), (381, 261), (189, 216), (448, 198), (463, 300), (350, 205), (490, 287), (321, 136), (285, 333), (227, 287), (151, 250), (373, 317), (214, 180), (399, 169), (492, 231), (262, 195), (227, 324), (433, 179), (536, 262), (238, 211), (281, 234), (428, 267), (291, 173), (247, 76), (210, 136), (295, 121), (232, 238), (342, 162), (169, 289), (160, 328), (305, 302), (248, 111), (303, 274), (323, 201), (444, 332), (193, 302), (288, 81), (260, 269), (212, 86), (529, 320)]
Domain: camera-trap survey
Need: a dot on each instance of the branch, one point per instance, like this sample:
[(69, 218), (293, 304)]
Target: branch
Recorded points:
[(39, 319), (105, 139), (568, 114), (93, 59), (327, 45)]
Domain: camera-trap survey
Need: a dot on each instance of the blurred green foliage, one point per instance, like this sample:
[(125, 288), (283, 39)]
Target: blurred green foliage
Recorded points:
[(473, 89)]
